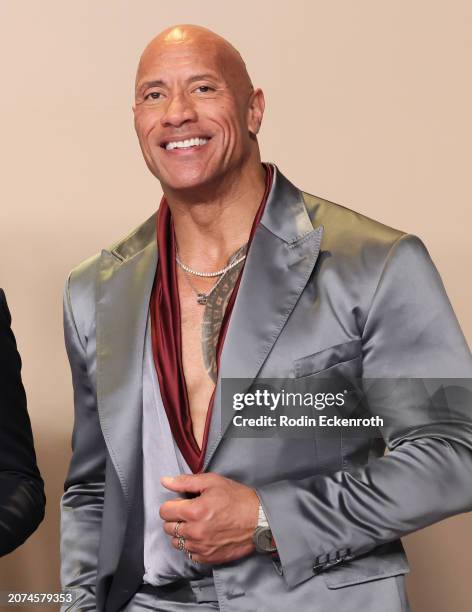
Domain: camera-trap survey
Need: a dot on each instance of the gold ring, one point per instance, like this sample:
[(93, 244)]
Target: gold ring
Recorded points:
[(181, 543)]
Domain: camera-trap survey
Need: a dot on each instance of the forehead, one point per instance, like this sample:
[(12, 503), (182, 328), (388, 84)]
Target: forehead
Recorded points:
[(181, 60)]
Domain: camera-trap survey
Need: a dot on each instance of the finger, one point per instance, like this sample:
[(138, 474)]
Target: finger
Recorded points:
[(169, 528), (190, 483), (192, 555), (196, 558), (176, 543), (175, 510), (189, 545)]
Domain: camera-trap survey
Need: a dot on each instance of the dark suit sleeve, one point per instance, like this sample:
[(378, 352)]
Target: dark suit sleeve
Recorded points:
[(410, 331), (22, 497)]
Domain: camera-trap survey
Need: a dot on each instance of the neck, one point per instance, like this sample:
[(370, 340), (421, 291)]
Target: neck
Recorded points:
[(210, 227)]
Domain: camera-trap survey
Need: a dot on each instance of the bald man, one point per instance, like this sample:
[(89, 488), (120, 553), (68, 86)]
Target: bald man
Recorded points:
[(241, 275)]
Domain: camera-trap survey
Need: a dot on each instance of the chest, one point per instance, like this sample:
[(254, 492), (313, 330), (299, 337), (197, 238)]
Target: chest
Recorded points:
[(199, 336), (191, 324)]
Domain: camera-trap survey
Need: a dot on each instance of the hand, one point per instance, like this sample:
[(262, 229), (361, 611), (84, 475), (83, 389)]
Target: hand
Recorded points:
[(218, 525)]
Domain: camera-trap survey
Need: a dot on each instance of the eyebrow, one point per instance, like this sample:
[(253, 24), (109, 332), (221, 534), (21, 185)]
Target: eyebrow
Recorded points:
[(162, 83)]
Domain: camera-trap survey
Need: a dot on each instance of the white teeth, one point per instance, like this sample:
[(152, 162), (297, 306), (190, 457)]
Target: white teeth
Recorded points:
[(185, 144)]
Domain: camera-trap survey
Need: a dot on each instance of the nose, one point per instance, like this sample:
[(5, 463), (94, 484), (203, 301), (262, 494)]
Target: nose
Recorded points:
[(179, 110)]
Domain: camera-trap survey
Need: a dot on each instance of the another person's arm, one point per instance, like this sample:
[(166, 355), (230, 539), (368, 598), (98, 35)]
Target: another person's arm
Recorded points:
[(22, 497)]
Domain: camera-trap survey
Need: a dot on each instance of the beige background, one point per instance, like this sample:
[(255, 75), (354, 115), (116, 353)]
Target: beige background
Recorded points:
[(368, 105)]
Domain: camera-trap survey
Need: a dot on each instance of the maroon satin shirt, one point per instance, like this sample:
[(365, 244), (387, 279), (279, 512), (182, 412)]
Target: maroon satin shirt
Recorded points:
[(167, 340)]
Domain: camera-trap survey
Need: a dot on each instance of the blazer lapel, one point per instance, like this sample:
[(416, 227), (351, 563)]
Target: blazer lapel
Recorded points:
[(125, 282), (280, 261)]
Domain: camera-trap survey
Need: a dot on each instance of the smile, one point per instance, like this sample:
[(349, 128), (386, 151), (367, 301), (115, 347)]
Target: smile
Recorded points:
[(185, 144)]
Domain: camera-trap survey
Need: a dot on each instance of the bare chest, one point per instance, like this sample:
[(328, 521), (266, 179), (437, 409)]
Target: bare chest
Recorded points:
[(200, 331), (198, 366)]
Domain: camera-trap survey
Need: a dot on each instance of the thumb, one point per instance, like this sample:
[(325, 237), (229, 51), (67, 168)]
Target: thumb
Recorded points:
[(190, 483)]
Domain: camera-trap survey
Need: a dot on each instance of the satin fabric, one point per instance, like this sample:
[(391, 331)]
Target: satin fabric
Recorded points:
[(163, 564), (182, 596), (324, 288), (166, 334)]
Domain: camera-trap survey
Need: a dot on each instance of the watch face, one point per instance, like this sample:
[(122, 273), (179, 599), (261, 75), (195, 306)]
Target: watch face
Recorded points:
[(264, 540)]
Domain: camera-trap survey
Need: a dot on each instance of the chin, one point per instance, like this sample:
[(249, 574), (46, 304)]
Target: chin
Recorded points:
[(185, 180)]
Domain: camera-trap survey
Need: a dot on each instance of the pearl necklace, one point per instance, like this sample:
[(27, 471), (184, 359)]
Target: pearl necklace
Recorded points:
[(209, 274), (202, 298)]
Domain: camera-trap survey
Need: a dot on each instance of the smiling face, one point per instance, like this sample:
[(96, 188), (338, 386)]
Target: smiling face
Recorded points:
[(196, 113)]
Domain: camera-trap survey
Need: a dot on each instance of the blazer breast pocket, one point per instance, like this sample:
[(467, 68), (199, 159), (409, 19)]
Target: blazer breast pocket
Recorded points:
[(327, 358)]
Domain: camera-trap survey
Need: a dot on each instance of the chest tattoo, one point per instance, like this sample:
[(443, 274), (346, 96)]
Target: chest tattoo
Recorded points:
[(214, 313)]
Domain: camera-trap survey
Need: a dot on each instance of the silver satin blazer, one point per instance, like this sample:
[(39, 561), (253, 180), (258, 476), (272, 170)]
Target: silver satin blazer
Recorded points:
[(324, 289)]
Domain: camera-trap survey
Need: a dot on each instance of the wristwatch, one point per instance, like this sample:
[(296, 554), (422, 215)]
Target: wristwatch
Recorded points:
[(262, 538)]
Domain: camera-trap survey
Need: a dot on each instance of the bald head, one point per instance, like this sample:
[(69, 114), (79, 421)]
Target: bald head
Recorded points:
[(198, 42), (196, 112)]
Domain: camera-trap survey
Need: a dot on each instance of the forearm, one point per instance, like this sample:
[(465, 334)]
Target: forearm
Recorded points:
[(81, 516), (346, 514), (22, 497), (21, 509)]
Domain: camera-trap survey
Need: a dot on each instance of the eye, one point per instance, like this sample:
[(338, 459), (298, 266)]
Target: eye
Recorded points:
[(204, 88), (153, 95)]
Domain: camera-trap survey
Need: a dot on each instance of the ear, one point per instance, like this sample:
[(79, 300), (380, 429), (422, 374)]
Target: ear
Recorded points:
[(134, 116), (255, 111)]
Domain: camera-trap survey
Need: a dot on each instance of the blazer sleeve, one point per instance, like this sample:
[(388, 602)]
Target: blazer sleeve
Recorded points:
[(410, 331), (82, 502), (22, 497)]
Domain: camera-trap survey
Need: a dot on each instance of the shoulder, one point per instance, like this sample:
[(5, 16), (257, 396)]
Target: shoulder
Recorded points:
[(4, 310), (81, 284), (3, 301), (84, 274), (362, 250), (346, 229), (355, 240)]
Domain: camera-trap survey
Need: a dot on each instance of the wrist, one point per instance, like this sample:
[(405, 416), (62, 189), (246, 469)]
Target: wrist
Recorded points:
[(262, 538)]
